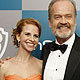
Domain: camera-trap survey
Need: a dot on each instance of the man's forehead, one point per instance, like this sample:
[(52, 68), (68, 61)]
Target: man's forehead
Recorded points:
[(62, 5), (62, 2)]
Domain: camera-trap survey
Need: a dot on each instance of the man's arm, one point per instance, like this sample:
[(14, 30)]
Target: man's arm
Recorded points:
[(2, 61), (1, 73)]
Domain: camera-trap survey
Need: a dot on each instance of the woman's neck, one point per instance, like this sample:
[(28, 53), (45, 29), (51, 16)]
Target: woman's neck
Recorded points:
[(22, 55)]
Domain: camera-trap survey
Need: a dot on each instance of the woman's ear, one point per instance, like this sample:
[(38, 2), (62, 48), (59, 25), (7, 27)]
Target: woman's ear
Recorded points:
[(18, 37)]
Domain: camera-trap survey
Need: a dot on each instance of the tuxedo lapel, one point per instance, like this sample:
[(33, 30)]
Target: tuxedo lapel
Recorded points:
[(46, 51), (73, 61), (71, 65)]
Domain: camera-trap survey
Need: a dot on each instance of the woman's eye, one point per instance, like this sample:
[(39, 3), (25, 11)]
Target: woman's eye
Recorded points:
[(27, 34), (36, 36)]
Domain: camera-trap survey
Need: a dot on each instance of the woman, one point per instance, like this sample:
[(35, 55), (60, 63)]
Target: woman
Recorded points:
[(24, 66)]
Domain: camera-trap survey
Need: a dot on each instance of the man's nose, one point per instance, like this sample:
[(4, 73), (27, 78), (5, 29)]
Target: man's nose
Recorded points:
[(63, 20)]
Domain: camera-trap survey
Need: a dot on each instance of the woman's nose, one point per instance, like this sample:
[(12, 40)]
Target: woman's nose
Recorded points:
[(32, 38)]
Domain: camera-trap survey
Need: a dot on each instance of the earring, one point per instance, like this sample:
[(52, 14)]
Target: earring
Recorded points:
[(18, 43)]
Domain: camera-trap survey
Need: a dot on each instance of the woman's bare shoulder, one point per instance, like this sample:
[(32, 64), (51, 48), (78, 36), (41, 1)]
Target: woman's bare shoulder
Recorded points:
[(4, 67), (38, 60), (6, 64)]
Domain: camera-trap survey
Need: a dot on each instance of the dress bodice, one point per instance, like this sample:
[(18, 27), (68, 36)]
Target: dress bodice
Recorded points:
[(15, 77)]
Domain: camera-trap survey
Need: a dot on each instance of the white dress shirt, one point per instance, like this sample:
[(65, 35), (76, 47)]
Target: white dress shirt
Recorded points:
[(56, 63)]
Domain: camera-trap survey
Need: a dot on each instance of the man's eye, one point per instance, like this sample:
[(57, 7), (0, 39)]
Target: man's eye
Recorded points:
[(68, 16), (57, 17)]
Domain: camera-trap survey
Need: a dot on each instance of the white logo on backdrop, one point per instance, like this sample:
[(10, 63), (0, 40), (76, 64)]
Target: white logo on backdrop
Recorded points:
[(44, 42), (1, 38), (3, 48)]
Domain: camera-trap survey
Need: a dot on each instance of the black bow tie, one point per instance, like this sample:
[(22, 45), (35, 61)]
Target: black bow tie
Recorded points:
[(62, 48)]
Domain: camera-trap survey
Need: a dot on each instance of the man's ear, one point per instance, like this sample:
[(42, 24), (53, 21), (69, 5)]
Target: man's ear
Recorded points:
[(18, 37), (49, 23), (75, 20)]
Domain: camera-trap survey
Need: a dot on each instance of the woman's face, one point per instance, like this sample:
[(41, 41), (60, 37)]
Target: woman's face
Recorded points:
[(29, 37)]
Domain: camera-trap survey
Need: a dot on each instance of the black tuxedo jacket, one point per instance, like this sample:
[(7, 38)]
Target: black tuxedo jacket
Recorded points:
[(73, 65)]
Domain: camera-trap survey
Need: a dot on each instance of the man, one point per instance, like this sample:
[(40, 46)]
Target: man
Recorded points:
[(60, 64)]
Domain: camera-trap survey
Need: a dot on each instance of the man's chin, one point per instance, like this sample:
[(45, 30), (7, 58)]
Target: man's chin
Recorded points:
[(65, 35)]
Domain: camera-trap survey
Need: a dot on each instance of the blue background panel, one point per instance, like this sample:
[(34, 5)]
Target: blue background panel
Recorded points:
[(42, 17), (10, 4), (78, 24)]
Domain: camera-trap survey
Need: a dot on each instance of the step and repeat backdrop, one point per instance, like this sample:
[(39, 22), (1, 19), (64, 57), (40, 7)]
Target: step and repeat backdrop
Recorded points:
[(12, 11)]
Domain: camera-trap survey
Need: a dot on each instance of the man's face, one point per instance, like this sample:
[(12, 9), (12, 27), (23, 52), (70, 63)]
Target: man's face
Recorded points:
[(63, 19)]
